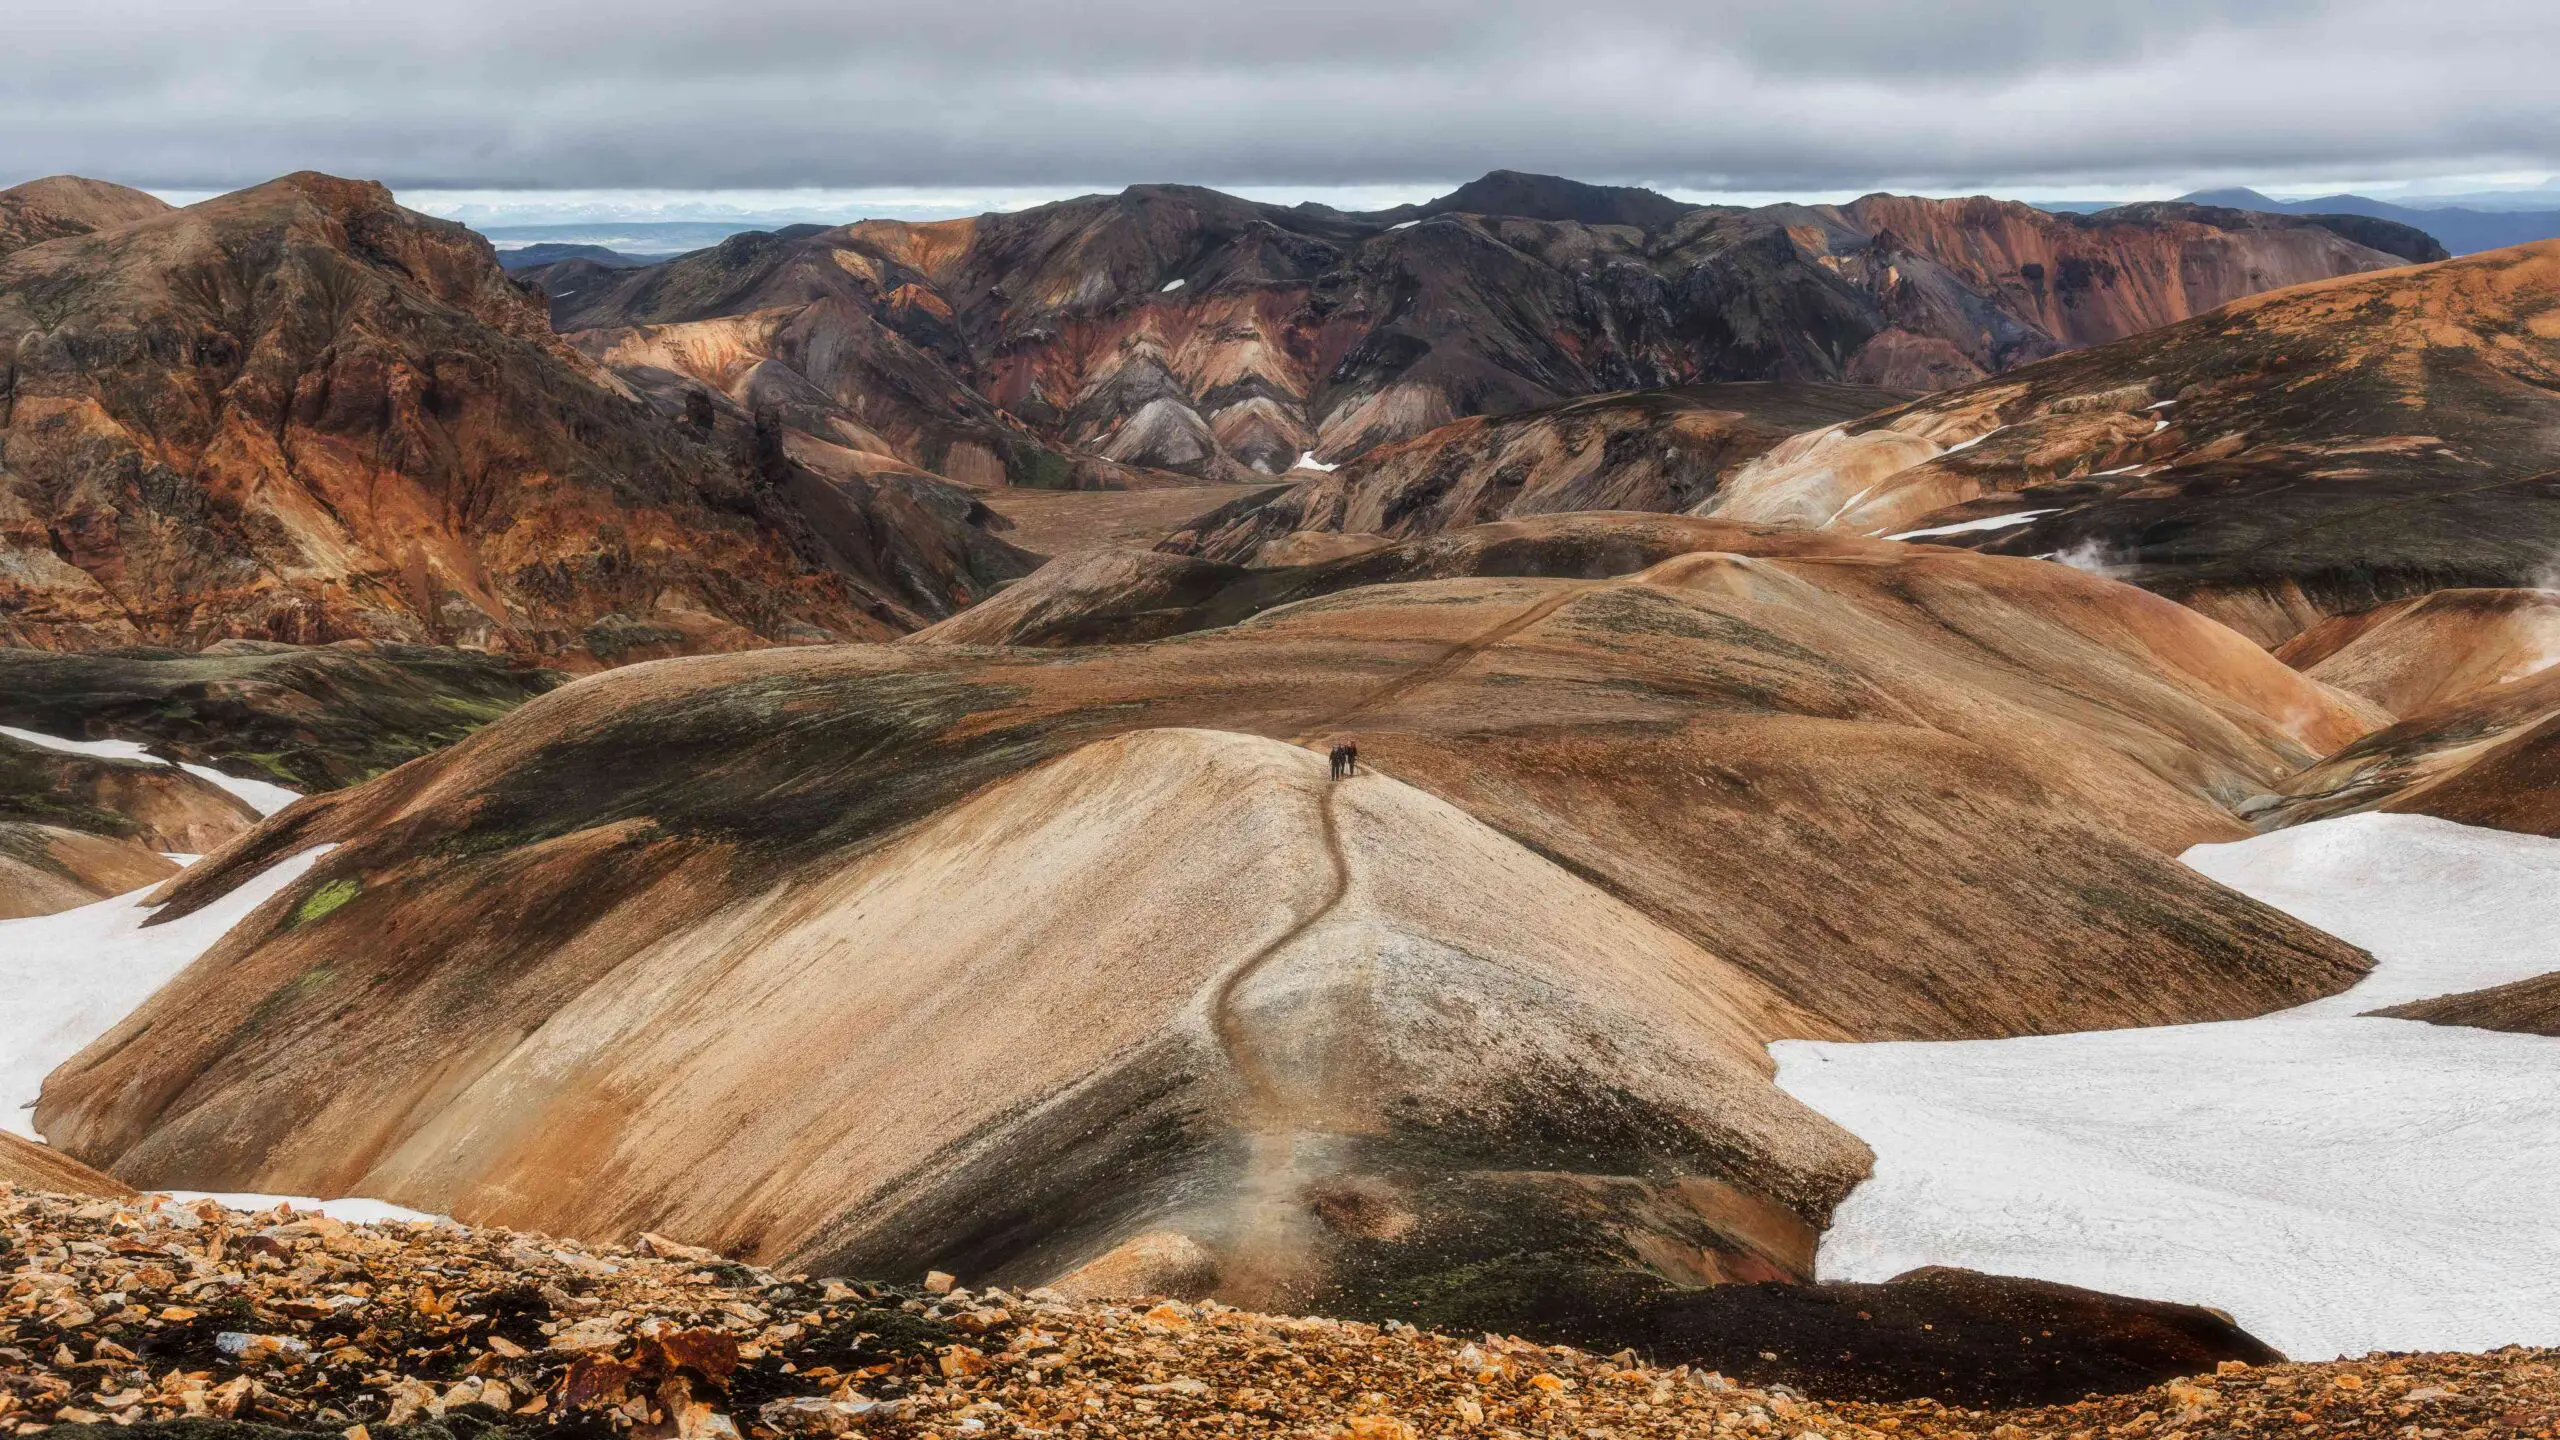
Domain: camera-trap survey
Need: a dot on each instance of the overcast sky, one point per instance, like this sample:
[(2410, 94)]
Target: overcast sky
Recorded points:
[(528, 109)]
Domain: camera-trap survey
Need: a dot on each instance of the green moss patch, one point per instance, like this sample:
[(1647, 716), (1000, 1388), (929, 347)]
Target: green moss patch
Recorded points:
[(321, 903)]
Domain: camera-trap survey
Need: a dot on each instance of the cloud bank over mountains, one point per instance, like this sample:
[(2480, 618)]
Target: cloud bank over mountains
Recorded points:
[(1728, 95)]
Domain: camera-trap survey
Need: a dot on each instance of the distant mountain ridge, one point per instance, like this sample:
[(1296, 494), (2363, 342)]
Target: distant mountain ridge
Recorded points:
[(528, 257), (1175, 329), (2463, 231)]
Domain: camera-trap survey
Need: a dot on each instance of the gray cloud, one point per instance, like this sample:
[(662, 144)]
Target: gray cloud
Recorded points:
[(1710, 94)]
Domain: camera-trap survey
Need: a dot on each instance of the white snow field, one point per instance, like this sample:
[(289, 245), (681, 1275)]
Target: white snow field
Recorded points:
[(260, 795), (350, 1211), (1966, 527), (2338, 1183), (70, 976)]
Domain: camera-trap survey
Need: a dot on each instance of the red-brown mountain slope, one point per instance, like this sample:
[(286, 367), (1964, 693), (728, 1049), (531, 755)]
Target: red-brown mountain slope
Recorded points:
[(299, 412)]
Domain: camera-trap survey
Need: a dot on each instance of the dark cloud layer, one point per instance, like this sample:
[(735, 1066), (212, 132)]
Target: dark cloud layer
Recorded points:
[(1711, 94)]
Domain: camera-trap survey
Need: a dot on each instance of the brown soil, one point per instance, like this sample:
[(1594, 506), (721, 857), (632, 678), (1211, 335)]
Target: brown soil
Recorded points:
[(1066, 523)]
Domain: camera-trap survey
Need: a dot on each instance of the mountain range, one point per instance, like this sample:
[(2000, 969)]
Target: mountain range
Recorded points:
[(2293, 456), (2461, 229), (1176, 329)]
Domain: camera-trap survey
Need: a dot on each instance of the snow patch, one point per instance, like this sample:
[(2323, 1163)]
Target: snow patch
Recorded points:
[(1307, 461), (1969, 444), (2159, 404), (351, 1209), (71, 976), (2340, 1183), (100, 749), (1404, 224), (1170, 286), (1963, 527), (259, 795)]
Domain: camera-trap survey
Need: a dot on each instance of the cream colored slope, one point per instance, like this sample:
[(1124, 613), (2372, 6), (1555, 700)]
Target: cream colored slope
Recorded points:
[(1823, 478), (1277, 974), (2433, 650)]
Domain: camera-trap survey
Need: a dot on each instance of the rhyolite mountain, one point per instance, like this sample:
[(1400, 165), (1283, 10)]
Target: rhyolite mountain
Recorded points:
[(1173, 328), (2312, 452), (1663, 450), (1020, 959), (300, 412)]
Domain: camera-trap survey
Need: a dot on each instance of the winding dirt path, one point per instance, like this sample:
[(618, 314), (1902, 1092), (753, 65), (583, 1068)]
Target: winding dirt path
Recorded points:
[(1262, 1093)]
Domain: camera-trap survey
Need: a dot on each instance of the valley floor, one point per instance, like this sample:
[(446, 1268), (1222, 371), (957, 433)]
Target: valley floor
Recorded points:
[(1062, 523), (2338, 1182), (133, 1313)]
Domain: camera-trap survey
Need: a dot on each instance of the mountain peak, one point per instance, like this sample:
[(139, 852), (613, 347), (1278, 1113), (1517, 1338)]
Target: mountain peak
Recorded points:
[(2236, 197), (1550, 197)]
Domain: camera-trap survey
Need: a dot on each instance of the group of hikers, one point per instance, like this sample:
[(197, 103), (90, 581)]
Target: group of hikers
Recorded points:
[(1346, 760)]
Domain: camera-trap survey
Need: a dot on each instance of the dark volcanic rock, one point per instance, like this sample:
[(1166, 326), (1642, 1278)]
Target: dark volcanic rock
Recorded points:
[(1547, 197), (1954, 1335), (313, 718), (534, 257)]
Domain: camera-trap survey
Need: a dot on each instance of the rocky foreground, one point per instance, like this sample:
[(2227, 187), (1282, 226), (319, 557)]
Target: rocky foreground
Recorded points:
[(142, 1313)]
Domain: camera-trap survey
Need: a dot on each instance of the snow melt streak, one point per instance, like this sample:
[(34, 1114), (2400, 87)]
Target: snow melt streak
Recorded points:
[(69, 977), (2338, 1183), (258, 795)]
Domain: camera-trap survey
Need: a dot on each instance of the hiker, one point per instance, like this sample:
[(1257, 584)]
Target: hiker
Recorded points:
[(1339, 758), (1350, 759)]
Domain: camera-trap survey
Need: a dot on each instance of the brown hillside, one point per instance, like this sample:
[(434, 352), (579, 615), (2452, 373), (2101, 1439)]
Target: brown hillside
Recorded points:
[(2432, 650), (2486, 759), (1005, 958), (2524, 1007)]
